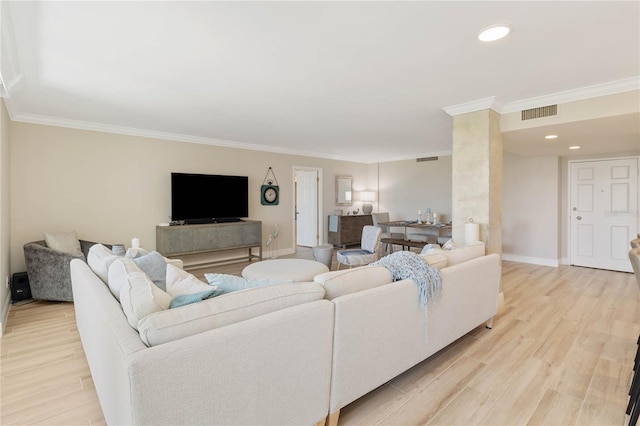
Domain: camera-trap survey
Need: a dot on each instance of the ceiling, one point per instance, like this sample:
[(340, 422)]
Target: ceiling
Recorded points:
[(361, 81)]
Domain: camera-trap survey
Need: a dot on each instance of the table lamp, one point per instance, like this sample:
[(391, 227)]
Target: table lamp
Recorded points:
[(367, 197)]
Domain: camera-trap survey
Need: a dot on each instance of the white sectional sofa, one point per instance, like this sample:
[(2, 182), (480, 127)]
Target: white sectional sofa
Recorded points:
[(285, 354), (380, 326), (264, 358)]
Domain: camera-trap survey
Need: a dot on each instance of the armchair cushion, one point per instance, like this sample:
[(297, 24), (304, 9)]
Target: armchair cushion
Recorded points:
[(66, 242)]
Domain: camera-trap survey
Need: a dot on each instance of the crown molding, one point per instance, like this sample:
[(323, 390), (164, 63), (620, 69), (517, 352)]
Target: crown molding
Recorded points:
[(594, 91), (473, 106), (152, 134)]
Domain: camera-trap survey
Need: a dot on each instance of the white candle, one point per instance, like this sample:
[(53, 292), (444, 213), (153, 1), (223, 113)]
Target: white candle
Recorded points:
[(135, 243)]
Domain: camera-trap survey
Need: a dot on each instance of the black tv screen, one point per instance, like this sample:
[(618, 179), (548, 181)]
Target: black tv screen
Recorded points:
[(201, 198)]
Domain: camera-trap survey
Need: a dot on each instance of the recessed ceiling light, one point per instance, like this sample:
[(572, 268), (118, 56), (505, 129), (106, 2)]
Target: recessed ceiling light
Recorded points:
[(494, 32), (574, 147), (551, 137)]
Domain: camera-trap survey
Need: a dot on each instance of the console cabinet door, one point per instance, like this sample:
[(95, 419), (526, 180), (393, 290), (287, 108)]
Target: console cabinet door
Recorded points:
[(347, 230)]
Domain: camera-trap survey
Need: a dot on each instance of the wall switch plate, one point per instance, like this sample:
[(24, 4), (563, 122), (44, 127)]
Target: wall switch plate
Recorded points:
[(7, 282)]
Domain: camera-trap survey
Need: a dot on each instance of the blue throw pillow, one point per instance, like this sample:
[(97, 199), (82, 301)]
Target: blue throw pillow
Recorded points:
[(229, 283), (154, 265), (186, 299)]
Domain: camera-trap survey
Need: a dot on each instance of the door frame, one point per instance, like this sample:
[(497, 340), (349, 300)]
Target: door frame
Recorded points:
[(320, 206), (569, 182)]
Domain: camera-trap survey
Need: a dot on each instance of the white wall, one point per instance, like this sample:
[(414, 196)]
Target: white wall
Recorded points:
[(408, 186), (111, 188), (531, 200), (5, 220)]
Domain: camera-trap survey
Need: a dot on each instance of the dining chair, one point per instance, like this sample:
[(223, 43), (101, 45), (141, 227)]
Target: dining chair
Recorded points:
[(378, 220), (368, 251)]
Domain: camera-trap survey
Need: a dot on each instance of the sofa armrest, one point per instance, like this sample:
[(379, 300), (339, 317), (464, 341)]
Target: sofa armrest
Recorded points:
[(381, 332), (272, 369)]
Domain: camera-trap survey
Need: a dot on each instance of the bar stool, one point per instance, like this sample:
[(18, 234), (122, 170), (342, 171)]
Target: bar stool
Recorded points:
[(633, 408)]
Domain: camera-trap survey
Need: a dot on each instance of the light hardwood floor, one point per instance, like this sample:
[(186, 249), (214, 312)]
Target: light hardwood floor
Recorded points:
[(560, 353)]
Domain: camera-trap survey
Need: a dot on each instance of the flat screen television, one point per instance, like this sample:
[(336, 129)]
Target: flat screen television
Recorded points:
[(202, 198)]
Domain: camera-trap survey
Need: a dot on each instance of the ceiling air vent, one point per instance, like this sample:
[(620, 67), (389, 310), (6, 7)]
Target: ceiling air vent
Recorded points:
[(420, 160), (545, 111)]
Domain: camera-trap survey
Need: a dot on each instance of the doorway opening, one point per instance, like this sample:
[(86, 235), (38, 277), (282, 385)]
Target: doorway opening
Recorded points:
[(603, 216), (308, 229)]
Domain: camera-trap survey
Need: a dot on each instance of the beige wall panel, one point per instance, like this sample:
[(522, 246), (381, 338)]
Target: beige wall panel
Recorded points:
[(531, 194), (585, 109), (408, 186), (111, 188), (5, 219)]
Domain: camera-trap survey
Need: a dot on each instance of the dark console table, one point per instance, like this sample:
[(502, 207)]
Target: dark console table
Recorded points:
[(347, 230), (181, 240)]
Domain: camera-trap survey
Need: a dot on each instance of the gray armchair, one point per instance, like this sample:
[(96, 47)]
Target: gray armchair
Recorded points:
[(49, 272)]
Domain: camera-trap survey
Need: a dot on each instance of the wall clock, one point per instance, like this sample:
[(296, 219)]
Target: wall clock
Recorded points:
[(270, 193)]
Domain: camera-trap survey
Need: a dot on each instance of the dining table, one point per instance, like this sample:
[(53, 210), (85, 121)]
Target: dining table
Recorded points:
[(440, 229)]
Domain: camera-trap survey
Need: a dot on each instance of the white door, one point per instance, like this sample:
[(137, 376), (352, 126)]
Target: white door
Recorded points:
[(307, 232), (604, 208)]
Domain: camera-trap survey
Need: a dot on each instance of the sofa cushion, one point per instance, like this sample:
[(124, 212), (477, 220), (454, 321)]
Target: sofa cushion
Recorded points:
[(437, 260), (339, 283), (154, 265), (118, 274), (140, 297), (100, 259), (230, 308), (66, 242), (181, 282), (461, 254)]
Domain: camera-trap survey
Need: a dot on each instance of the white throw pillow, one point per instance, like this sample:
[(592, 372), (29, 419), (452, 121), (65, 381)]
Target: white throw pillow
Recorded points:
[(66, 242), (135, 252), (449, 245), (140, 297), (118, 274), (100, 259), (181, 282)]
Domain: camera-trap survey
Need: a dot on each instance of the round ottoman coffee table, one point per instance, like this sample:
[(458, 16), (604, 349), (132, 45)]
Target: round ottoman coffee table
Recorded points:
[(296, 270)]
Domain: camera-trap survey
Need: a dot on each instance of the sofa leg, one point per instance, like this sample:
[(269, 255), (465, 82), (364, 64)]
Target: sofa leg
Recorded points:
[(333, 418), (321, 422), (490, 323)]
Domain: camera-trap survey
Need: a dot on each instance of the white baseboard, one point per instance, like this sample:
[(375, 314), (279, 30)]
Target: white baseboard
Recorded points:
[(532, 260)]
